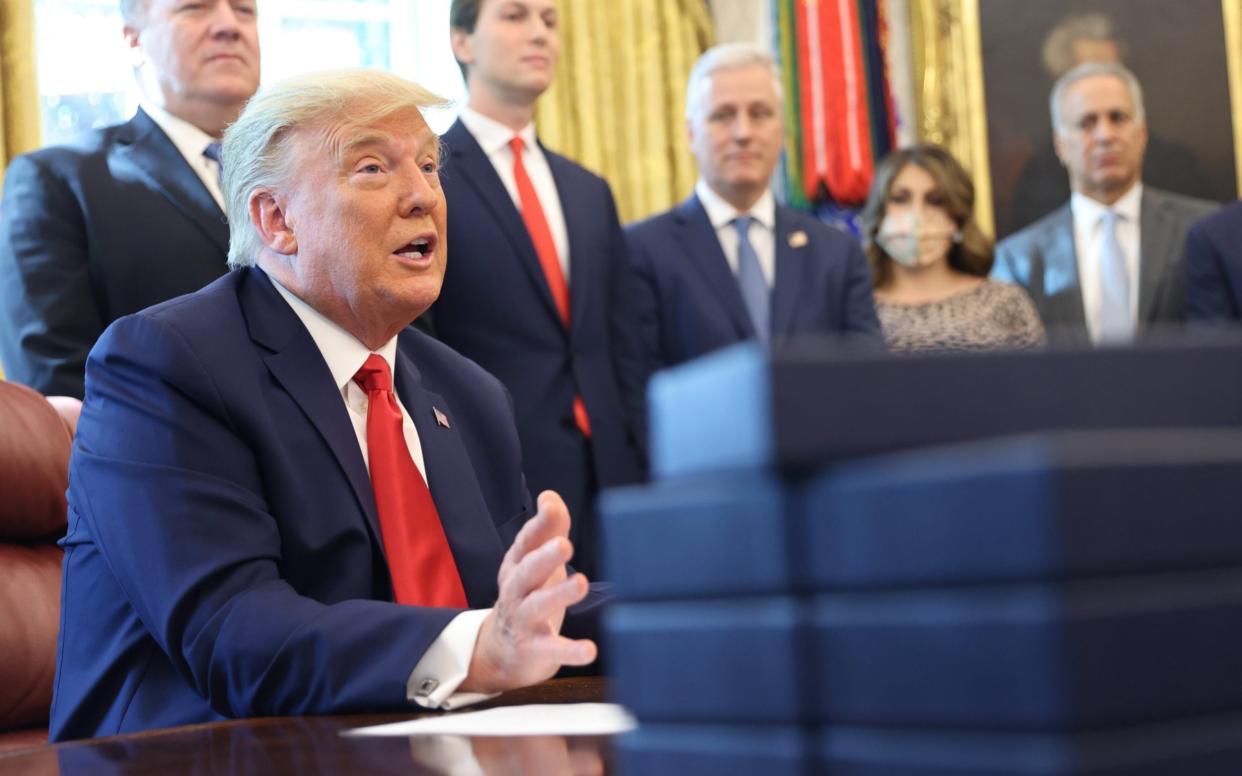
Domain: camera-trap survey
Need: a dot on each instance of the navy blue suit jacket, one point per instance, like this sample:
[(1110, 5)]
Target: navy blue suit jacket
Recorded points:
[(1214, 267), (496, 308), (92, 231), (223, 557), (681, 300)]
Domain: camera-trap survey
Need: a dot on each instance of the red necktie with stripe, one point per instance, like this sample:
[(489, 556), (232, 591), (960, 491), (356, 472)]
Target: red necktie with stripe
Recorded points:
[(549, 260), (419, 558)]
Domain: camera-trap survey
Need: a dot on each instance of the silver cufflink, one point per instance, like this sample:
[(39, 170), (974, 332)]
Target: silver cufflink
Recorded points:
[(426, 687)]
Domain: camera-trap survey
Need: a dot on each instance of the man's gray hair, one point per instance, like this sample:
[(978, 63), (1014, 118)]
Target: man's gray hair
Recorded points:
[(727, 56), (258, 147), (1090, 70)]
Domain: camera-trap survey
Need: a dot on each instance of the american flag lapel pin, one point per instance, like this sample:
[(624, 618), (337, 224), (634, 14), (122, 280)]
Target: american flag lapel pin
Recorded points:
[(441, 418)]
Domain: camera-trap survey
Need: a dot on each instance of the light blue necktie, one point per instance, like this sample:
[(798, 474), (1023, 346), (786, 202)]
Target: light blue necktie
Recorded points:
[(1116, 325), (754, 286)]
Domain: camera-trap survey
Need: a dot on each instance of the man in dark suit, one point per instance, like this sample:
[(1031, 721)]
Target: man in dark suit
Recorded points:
[(1214, 268), (129, 215), (535, 244), (1107, 265), (729, 264), (258, 524)]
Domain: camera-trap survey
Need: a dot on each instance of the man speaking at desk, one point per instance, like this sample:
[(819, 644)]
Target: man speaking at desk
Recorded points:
[(258, 524)]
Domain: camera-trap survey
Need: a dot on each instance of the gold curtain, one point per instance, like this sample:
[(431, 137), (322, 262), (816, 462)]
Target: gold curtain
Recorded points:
[(19, 88), (618, 102), (948, 82)]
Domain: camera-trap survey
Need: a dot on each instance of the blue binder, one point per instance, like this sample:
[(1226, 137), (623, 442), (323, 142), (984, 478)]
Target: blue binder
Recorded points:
[(1199, 745), (816, 402), (728, 661), (707, 537), (1042, 506), (1037, 657)]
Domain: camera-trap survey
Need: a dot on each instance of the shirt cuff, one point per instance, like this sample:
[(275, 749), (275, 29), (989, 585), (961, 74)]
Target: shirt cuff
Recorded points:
[(445, 664)]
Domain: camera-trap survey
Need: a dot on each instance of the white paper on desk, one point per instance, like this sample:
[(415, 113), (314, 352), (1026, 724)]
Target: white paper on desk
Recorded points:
[(541, 719)]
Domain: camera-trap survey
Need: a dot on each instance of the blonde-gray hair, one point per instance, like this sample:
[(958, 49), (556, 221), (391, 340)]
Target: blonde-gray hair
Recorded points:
[(257, 149), (727, 56)]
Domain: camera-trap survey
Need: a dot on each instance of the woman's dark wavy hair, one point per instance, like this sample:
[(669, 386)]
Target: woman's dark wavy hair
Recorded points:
[(972, 254)]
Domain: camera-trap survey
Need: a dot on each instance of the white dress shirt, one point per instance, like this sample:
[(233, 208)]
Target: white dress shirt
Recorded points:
[(446, 662), (762, 232), (493, 137), (191, 142), (1088, 242)]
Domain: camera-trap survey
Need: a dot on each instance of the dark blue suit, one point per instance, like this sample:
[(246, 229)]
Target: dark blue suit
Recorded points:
[(1214, 267), (496, 309), (682, 300), (90, 232), (223, 556)]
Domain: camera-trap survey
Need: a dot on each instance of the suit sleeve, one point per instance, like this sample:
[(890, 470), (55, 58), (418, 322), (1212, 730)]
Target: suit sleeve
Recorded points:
[(1208, 297), (860, 316), (48, 316), (635, 331), (176, 507)]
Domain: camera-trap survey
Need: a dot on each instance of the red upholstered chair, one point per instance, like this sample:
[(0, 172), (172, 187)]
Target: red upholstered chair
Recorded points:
[(35, 437)]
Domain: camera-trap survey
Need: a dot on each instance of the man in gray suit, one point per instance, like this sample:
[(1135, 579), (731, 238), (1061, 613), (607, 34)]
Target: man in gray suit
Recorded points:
[(1108, 263)]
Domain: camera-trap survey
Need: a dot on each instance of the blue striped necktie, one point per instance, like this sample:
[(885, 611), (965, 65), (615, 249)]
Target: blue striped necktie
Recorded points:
[(750, 279), (212, 152)]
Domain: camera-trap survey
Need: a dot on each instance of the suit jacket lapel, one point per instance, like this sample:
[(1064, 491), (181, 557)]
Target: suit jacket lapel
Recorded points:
[(472, 166), (791, 265), (701, 247), (297, 364), (580, 215), (1062, 286), (162, 167), (450, 477), (1155, 250)]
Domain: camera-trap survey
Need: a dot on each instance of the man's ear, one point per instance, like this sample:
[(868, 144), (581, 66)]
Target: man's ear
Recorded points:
[(136, 55), (270, 221), (459, 41), (1058, 148)]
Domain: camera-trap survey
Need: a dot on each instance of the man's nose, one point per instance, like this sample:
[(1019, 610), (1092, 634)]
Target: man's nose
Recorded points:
[(743, 127), (1106, 130), (422, 195), (226, 21)]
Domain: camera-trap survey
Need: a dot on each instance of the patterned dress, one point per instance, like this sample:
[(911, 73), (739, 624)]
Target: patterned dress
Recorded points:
[(991, 315)]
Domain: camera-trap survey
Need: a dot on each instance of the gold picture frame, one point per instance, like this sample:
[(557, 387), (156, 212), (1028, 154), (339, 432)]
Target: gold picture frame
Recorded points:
[(949, 87)]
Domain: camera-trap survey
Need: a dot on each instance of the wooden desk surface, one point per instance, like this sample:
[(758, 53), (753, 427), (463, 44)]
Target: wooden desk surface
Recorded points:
[(313, 745)]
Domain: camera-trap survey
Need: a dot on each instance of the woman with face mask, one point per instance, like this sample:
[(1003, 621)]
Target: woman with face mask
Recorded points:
[(930, 262)]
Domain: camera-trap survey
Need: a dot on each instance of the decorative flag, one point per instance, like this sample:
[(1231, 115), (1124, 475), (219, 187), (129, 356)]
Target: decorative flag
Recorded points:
[(839, 109)]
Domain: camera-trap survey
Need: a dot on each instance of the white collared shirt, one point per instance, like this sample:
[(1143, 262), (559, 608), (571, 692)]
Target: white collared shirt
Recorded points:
[(443, 667), (762, 232), (493, 137), (1088, 241), (191, 142)]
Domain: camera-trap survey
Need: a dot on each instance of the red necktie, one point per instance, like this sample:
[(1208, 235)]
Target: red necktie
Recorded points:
[(545, 248), (419, 559)]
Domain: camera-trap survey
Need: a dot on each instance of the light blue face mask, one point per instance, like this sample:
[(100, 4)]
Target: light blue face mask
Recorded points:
[(911, 241)]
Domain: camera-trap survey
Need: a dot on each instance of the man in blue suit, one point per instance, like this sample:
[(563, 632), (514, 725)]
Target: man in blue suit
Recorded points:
[(729, 264), (130, 215), (1214, 268), (258, 524), (536, 241)]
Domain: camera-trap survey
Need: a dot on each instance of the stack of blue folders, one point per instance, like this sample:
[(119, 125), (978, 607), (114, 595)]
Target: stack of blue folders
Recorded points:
[(1018, 568)]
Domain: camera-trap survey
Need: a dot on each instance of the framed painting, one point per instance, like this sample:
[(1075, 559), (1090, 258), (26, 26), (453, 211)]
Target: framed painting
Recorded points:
[(984, 70)]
